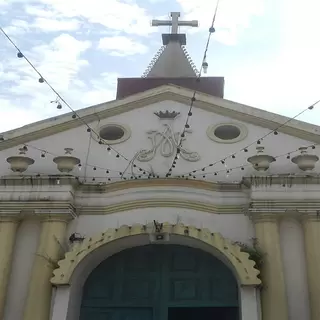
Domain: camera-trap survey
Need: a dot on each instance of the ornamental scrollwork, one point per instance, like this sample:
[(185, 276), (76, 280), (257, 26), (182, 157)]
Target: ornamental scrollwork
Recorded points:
[(167, 141)]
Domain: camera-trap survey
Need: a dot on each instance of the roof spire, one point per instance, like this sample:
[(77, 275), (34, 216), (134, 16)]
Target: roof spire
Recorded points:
[(172, 60)]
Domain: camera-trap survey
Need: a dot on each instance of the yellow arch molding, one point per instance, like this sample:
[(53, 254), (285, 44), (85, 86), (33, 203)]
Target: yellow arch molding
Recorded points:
[(244, 267)]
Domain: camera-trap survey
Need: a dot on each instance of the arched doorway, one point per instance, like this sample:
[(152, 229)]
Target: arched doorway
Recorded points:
[(160, 282)]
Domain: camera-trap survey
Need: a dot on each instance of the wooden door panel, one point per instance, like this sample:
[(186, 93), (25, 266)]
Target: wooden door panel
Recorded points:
[(144, 282)]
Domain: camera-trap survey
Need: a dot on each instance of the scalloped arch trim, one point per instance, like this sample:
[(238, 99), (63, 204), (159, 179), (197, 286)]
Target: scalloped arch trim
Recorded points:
[(246, 273)]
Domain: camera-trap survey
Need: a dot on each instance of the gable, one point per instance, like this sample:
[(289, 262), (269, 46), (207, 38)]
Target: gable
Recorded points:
[(144, 130), (168, 92)]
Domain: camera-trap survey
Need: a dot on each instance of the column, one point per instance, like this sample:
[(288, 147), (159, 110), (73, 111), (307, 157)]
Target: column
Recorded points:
[(273, 294), (38, 302), (311, 226), (8, 229)]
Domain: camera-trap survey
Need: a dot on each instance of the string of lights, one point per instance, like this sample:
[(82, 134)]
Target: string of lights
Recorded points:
[(43, 154), (241, 167), (258, 141), (183, 176), (204, 65), (60, 99)]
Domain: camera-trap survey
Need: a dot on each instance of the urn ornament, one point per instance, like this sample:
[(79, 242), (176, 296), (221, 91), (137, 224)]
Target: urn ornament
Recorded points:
[(305, 161), (67, 162), (20, 163), (261, 161)]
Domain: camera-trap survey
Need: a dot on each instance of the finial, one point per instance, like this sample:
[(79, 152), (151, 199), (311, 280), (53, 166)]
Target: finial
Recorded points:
[(175, 24)]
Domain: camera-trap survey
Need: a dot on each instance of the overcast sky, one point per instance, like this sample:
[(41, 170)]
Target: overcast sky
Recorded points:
[(268, 51)]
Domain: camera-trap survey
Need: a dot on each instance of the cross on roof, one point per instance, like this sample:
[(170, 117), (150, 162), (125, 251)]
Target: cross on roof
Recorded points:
[(174, 23)]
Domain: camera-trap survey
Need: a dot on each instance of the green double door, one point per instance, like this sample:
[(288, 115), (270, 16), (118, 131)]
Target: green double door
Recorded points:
[(160, 282)]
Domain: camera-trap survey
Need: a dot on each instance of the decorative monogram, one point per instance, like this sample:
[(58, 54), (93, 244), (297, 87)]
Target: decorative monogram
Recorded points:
[(168, 142)]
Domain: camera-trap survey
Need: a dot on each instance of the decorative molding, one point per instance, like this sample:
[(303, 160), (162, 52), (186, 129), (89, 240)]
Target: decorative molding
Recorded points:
[(167, 115), (167, 141), (287, 180), (266, 210), (36, 181), (243, 266), (10, 215), (313, 216), (175, 93), (162, 203), (52, 210), (172, 182)]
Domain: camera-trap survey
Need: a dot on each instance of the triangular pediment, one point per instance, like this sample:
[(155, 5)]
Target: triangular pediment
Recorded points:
[(144, 130), (206, 102)]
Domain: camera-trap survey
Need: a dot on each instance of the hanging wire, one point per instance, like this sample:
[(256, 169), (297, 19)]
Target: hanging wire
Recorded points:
[(258, 141), (193, 99), (59, 98), (184, 176)]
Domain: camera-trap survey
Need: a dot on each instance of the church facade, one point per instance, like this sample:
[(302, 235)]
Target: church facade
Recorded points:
[(169, 202)]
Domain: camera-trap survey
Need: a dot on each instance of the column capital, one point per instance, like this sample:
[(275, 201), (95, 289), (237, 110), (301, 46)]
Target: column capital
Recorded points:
[(10, 216), (310, 215), (265, 217)]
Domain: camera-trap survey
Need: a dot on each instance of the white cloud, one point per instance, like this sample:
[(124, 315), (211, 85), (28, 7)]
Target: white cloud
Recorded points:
[(233, 16), (121, 46), (113, 14), (17, 27), (59, 62), (49, 24)]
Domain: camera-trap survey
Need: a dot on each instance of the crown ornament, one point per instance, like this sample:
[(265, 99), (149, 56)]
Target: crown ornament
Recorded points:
[(167, 115)]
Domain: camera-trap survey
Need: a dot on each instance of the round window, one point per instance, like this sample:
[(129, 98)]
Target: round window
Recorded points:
[(227, 132)]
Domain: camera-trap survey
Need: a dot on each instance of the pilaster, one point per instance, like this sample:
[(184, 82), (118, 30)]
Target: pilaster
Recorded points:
[(311, 226), (273, 295), (38, 302), (8, 229)]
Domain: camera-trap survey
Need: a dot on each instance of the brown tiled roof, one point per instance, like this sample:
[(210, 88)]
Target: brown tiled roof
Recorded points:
[(209, 85)]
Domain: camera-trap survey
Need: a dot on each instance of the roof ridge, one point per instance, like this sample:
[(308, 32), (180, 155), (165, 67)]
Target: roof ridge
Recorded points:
[(153, 61), (188, 57)]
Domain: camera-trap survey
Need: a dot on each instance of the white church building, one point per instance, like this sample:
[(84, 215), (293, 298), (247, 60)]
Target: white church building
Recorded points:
[(169, 202)]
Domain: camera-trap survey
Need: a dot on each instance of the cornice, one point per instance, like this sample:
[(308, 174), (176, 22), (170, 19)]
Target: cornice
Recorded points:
[(285, 204), (169, 92), (162, 203), (311, 216), (287, 180), (270, 210), (33, 180), (51, 210)]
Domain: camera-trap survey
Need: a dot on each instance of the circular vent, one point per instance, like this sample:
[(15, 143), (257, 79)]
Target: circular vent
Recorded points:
[(114, 133), (227, 133)]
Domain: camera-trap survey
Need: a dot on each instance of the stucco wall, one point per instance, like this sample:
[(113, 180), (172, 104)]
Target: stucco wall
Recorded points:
[(236, 227), (143, 119), (232, 226)]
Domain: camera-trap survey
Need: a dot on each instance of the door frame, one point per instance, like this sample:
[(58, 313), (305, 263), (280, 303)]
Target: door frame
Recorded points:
[(66, 299)]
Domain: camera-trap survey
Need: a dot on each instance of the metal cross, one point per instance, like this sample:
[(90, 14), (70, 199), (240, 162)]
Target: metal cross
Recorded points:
[(174, 23)]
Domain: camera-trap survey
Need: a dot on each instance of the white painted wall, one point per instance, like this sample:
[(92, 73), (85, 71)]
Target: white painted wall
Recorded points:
[(234, 227), (142, 120), (295, 274), (24, 251)]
